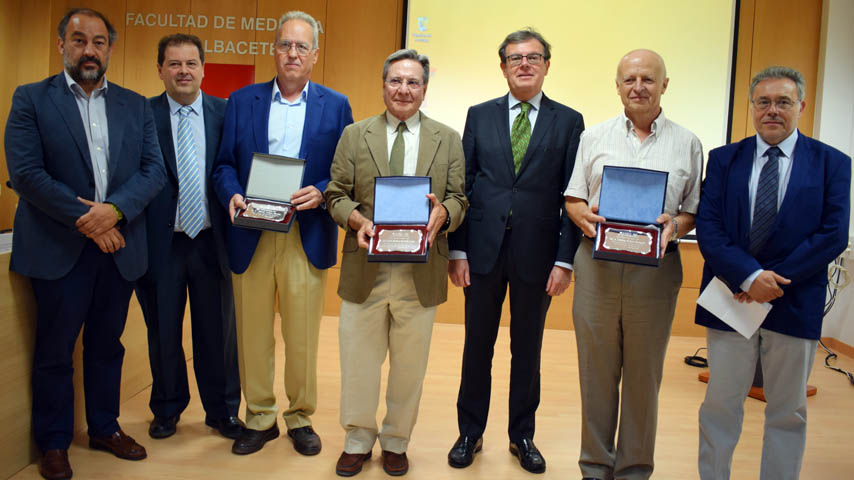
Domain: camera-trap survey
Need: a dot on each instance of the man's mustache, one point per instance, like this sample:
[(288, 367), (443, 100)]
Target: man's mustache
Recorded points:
[(85, 59)]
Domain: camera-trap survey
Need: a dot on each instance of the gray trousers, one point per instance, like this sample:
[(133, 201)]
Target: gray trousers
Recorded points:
[(622, 315), (786, 365)]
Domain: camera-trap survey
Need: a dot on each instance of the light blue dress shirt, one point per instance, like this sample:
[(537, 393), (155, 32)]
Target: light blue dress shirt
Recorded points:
[(93, 112), (284, 130)]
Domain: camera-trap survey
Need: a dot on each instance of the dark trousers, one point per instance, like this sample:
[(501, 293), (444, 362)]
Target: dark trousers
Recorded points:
[(191, 268), (94, 296), (528, 306)]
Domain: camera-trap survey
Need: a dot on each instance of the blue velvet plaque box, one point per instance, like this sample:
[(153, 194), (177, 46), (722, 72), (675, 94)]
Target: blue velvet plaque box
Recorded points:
[(401, 213), (631, 199), (273, 179)]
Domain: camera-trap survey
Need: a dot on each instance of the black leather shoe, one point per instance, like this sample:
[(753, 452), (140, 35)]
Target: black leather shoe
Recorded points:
[(163, 427), (305, 440), (250, 441), (589, 478), (529, 456), (462, 453), (229, 427)]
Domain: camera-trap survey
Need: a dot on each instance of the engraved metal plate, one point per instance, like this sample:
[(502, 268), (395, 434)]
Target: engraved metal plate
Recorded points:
[(265, 211), (399, 240), (628, 241)]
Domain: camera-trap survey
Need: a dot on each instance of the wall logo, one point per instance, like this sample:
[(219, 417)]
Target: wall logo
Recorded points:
[(422, 24), (421, 35)]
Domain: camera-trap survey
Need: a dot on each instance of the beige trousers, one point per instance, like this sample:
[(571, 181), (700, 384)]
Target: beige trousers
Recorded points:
[(279, 269), (622, 315), (390, 320)]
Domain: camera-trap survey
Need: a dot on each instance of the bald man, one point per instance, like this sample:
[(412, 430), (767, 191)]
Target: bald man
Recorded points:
[(622, 312)]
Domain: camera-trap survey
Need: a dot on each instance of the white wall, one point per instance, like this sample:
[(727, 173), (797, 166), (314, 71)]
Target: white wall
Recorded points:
[(834, 125)]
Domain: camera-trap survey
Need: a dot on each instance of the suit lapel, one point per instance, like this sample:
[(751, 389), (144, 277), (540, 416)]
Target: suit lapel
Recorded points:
[(212, 119), (428, 144), (160, 108), (64, 100), (261, 118), (313, 115), (115, 127), (375, 137), (802, 165), (545, 120), (740, 171), (502, 132)]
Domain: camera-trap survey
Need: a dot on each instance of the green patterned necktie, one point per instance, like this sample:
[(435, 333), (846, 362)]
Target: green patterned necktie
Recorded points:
[(395, 163), (520, 135)]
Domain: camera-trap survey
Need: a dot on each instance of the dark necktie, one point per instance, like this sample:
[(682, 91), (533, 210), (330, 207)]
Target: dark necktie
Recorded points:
[(520, 135), (765, 203), (398, 148)]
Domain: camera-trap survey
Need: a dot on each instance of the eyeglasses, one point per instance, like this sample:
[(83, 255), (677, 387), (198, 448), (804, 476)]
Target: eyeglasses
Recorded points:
[(782, 104), (284, 46), (397, 82), (533, 58)]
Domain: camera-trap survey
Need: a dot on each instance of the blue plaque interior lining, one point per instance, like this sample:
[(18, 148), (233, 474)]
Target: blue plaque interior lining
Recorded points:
[(401, 200), (632, 195)]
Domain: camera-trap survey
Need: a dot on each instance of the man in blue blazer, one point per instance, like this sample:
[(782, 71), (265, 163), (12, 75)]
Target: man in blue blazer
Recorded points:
[(293, 117), (186, 251), (773, 213), (520, 150), (83, 156)]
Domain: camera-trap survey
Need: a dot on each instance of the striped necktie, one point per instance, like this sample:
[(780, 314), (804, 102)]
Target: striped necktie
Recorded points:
[(765, 203), (190, 203)]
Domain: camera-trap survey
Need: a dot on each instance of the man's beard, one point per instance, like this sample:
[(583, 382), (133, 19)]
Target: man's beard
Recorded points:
[(85, 76)]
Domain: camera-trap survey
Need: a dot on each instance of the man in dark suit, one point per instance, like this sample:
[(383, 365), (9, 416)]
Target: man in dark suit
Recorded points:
[(519, 149), (774, 212), (293, 117), (83, 156), (186, 251)]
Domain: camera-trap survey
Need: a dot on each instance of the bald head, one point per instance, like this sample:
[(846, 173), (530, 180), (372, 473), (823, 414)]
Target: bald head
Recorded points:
[(642, 56), (641, 80)]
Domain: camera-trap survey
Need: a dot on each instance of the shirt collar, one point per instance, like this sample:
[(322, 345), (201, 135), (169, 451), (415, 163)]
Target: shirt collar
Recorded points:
[(534, 101), (411, 122), (77, 89), (787, 146), (277, 94), (657, 124), (195, 107)]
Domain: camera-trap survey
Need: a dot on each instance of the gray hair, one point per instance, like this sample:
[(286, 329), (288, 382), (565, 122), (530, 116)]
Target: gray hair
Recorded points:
[(524, 35), (300, 15), (408, 54), (779, 72)]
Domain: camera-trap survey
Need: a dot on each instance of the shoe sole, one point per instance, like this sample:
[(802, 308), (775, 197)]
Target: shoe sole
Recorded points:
[(98, 446), (342, 473), (395, 473), (264, 440), (454, 464), (516, 453)]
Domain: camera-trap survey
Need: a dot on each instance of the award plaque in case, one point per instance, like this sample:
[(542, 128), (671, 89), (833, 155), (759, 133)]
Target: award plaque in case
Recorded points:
[(631, 199), (273, 179), (401, 213)]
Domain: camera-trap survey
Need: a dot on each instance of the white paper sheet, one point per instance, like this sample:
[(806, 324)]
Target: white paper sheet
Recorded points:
[(745, 318)]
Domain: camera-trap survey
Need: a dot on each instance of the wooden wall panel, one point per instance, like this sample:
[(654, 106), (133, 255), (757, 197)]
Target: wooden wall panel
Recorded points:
[(140, 44), (10, 32)]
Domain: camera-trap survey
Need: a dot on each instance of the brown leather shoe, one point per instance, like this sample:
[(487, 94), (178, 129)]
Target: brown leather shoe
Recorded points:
[(395, 464), (54, 465), (350, 464), (119, 444)]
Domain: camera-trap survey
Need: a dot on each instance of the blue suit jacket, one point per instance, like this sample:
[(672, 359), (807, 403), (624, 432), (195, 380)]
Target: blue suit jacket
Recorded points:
[(49, 166), (160, 214), (542, 231), (245, 132), (811, 229)]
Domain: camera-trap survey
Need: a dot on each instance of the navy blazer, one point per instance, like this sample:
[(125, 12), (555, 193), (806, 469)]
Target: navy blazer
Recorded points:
[(245, 132), (811, 229), (542, 231), (49, 166), (160, 214)]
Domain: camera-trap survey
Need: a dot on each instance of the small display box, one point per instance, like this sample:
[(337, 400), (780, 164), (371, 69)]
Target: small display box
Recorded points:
[(401, 213), (631, 199), (273, 179)]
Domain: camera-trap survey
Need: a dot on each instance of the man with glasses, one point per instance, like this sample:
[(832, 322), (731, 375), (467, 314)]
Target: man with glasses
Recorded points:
[(520, 150), (622, 313), (293, 117), (389, 307), (774, 212)]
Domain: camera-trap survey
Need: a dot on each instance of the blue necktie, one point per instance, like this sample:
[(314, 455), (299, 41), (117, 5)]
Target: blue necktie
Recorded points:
[(765, 203), (190, 203)]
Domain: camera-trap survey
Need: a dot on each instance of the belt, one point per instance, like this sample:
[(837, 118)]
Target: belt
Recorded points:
[(671, 247)]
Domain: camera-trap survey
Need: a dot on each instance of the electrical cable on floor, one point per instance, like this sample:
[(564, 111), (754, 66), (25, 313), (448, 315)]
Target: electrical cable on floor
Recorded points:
[(837, 279), (696, 360)]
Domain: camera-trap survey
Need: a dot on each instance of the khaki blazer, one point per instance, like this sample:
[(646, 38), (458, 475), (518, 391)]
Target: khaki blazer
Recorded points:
[(362, 154)]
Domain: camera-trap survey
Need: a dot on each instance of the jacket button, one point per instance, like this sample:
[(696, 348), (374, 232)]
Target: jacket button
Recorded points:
[(171, 225)]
